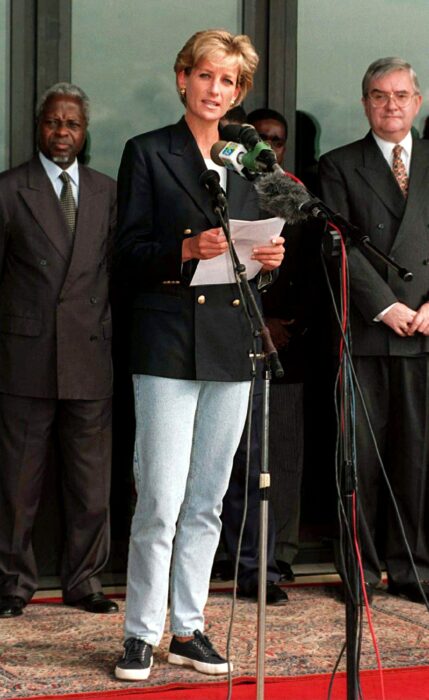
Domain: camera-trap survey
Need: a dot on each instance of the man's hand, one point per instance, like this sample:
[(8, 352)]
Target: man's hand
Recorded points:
[(420, 323), (205, 245), (279, 331), (400, 319)]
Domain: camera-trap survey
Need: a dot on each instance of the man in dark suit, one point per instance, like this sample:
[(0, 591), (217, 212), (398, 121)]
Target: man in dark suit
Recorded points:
[(381, 184), (285, 306), (56, 222)]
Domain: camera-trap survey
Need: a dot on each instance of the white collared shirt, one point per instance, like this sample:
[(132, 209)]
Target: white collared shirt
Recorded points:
[(386, 147), (53, 171)]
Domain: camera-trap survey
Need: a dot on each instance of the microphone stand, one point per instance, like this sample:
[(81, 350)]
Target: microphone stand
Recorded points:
[(272, 365), (352, 588), (348, 488), (319, 209), (352, 583)]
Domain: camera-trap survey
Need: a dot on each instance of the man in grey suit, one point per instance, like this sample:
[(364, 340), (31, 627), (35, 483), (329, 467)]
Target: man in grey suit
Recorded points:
[(56, 224), (381, 184)]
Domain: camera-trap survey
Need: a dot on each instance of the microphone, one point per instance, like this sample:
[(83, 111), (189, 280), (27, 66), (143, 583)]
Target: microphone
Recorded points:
[(261, 156), (231, 155), (243, 133), (248, 164), (210, 180), (283, 197)]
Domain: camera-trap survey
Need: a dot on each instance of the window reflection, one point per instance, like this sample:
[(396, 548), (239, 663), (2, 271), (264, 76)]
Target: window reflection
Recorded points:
[(4, 83), (123, 55), (335, 48)]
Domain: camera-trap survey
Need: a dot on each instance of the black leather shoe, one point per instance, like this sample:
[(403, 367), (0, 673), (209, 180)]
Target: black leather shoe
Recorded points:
[(222, 570), (286, 570), (95, 603), (275, 594), (411, 590), (11, 605)]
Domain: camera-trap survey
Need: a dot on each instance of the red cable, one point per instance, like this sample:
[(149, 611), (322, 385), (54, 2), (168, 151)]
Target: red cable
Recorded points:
[(365, 597), (344, 322), (355, 539)]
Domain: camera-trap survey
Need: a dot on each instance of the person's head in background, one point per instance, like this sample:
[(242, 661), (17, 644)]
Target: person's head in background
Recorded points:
[(62, 116), (391, 97), (236, 115), (272, 127)]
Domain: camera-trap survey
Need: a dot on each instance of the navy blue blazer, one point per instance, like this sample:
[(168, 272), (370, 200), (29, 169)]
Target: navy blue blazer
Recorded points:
[(177, 331)]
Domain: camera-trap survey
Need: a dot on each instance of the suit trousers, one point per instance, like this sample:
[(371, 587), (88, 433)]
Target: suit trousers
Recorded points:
[(233, 506), (27, 430), (286, 465), (396, 394)]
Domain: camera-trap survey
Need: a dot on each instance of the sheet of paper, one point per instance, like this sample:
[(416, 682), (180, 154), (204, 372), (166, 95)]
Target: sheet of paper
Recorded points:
[(247, 235)]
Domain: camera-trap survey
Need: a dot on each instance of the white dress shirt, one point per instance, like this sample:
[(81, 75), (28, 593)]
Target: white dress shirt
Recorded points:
[(53, 171), (386, 147)]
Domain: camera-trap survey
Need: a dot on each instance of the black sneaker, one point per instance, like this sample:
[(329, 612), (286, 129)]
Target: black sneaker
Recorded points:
[(199, 653), (136, 662)]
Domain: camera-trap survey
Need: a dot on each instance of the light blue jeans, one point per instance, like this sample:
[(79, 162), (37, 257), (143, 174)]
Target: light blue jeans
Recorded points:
[(187, 433)]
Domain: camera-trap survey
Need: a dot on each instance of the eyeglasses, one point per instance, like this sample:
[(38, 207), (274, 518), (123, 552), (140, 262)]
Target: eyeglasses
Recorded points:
[(402, 98), (275, 142)]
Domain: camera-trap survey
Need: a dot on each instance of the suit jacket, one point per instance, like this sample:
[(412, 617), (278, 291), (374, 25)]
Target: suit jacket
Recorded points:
[(55, 325), (356, 180), (296, 296), (177, 331)]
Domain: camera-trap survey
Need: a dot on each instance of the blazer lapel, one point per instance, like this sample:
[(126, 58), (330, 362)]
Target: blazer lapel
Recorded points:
[(185, 162), (418, 189), (376, 172), (43, 203)]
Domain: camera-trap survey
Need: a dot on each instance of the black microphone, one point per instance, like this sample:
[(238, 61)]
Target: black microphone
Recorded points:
[(243, 133), (210, 180), (280, 196)]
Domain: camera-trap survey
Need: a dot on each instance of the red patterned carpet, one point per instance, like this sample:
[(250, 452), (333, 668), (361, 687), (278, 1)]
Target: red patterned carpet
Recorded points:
[(53, 650)]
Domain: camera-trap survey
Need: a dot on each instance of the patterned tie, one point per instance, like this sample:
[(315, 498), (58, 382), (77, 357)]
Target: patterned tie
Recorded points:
[(67, 202), (399, 170)]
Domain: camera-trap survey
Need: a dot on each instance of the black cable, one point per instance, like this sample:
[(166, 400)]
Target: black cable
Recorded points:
[(341, 510), (344, 413), (334, 670), (374, 441)]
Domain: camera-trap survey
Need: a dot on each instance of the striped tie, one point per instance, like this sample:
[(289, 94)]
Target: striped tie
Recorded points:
[(67, 202), (399, 169)]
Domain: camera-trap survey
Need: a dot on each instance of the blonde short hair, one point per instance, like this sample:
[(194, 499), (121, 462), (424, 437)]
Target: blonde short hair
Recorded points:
[(215, 44)]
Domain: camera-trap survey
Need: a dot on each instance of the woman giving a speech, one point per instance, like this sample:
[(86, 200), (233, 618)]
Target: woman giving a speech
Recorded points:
[(189, 354)]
